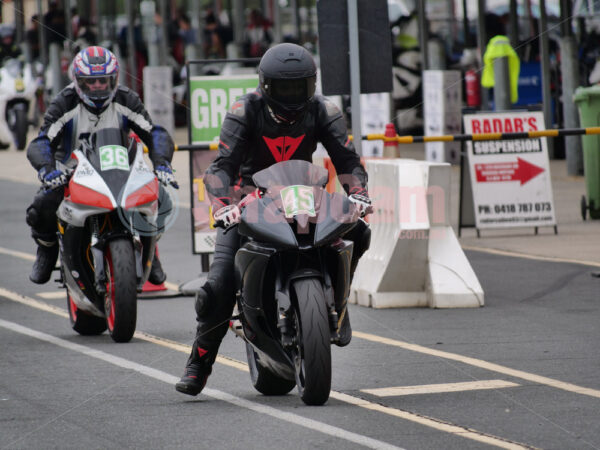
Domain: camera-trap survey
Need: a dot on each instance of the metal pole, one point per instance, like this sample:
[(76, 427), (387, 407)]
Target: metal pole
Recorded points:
[(353, 32), (467, 37), (481, 43), (277, 34), (19, 21), (42, 34), (569, 67), (423, 34), (513, 19), (164, 42), (239, 22), (68, 18), (57, 77), (132, 66), (501, 84), (545, 59)]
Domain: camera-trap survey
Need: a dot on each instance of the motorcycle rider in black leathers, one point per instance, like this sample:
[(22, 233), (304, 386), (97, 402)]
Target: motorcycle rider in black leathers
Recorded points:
[(93, 101), (281, 120)]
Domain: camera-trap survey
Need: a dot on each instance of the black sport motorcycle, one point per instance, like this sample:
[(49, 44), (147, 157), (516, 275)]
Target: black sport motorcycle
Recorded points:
[(292, 270)]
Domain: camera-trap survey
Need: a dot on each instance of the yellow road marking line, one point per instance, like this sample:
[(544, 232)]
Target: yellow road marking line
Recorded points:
[(52, 295), (480, 363), (429, 422), (171, 286), (33, 303), (18, 254), (438, 388), (494, 251), (412, 417)]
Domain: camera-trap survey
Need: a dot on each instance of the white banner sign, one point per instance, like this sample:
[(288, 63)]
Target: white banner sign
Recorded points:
[(510, 178), (158, 96)]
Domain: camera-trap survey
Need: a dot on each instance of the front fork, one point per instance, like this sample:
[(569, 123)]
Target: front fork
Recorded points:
[(98, 248), (285, 313), (100, 279)]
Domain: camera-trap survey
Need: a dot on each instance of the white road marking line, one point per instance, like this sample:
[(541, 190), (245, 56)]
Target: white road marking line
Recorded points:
[(423, 420), (52, 295), (557, 384), (439, 388), (482, 364), (17, 254), (216, 394), (494, 251)]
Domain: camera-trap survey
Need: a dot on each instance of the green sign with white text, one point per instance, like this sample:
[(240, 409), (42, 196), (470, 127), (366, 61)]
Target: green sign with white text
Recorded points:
[(210, 98)]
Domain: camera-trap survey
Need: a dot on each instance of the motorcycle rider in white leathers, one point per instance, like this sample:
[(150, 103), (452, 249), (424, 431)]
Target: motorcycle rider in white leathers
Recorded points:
[(93, 101)]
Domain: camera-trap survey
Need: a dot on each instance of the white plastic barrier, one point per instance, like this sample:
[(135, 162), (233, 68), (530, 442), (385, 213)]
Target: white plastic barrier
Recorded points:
[(415, 258)]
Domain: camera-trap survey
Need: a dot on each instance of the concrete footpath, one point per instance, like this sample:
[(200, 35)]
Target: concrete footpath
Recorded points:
[(577, 240)]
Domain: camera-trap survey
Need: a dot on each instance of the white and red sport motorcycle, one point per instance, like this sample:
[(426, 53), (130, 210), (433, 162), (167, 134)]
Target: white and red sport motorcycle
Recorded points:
[(107, 233)]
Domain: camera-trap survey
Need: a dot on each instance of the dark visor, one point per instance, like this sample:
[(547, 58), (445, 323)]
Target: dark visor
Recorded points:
[(292, 91)]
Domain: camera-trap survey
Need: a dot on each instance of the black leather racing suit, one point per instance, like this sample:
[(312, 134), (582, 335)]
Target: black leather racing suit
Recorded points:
[(66, 123), (252, 140)]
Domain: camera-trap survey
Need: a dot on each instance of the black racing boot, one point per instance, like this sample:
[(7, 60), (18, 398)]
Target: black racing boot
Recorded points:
[(157, 276), (47, 253), (344, 329), (197, 370)]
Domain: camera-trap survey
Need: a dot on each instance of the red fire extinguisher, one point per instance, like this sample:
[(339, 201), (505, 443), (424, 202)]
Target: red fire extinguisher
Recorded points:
[(472, 88)]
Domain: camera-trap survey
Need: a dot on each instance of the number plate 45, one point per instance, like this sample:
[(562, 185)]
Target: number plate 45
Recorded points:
[(298, 200)]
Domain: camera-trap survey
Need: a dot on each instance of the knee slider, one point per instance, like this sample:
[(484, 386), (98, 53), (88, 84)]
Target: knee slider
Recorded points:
[(203, 301), (32, 217)]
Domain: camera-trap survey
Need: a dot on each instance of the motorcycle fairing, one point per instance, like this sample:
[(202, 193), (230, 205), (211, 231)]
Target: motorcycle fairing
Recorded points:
[(262, 221), (336, 216), (88, 194), (141, 189), (253, 267)]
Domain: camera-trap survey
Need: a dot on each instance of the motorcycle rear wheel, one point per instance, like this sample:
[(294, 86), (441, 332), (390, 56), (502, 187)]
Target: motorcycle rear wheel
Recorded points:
[(84, 323), (312, 355), (263, 380), (120, 302)]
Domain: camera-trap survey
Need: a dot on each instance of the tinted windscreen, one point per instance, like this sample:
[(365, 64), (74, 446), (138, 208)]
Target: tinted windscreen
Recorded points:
[(289, 173)]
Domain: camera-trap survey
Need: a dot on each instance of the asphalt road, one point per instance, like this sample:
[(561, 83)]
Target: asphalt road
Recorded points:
[(532, 352)]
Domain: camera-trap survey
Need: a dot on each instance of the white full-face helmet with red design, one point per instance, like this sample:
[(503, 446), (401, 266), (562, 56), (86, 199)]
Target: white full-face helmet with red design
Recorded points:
[(95, 73)]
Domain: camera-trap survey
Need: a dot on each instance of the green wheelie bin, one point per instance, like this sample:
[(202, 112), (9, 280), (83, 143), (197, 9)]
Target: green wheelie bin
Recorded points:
[(587, 100)]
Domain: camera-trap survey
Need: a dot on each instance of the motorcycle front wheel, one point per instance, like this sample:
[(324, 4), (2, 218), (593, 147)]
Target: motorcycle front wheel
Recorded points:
[(312, 354), (84, 323), (263, 380), (120, 303), (18, 124)]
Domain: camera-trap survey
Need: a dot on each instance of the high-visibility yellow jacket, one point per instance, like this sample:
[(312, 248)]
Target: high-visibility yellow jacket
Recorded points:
[(498, 47)]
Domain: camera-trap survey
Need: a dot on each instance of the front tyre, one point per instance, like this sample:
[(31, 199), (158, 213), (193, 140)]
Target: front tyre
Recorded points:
[(120, 302), (263, 380), (84, 323), (312, 354), (21, 128)]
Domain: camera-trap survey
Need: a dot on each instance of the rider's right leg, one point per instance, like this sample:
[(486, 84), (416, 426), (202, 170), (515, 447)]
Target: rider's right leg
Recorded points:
[(214, 306), (41, 217)]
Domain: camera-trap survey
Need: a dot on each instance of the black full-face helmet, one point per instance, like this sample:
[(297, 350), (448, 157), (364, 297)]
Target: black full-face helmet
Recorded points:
[(287, 76)]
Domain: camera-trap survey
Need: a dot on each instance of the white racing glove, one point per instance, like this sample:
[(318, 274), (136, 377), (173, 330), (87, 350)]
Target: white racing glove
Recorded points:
[(362, 203), (53, 179), (227, 216), (165, 176)]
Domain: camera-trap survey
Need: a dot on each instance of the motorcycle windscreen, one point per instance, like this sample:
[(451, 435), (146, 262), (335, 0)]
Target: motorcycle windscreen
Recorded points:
[(111, 155), (263, 221), (290, 173), (336, 217)]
